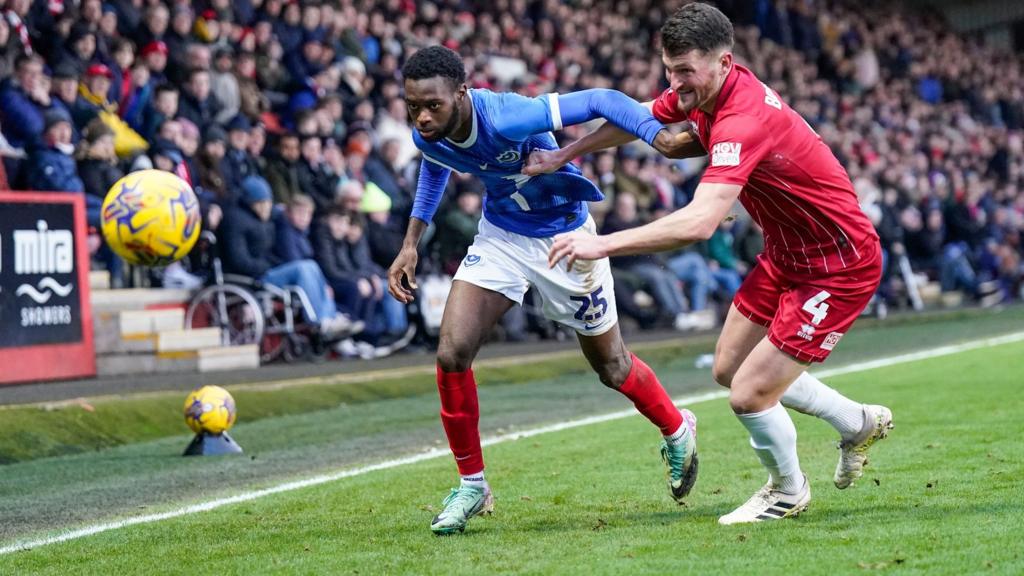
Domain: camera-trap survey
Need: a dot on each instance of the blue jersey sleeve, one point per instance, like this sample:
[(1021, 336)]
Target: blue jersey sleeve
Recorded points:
[(520, 117), (429, 189)]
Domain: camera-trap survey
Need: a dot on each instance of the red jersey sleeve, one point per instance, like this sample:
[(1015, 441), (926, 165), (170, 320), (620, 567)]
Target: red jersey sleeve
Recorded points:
[(738, 144), (666, 108)]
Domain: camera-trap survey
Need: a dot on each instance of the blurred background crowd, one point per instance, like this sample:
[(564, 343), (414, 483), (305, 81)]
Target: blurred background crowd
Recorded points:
[(287, 118)]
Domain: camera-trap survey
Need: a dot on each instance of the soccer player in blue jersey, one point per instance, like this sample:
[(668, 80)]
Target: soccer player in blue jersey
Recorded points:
[(490, 135)]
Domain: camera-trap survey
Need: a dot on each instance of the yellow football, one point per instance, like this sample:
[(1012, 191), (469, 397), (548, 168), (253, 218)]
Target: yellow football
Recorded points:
[(151, 218), (210, 409)]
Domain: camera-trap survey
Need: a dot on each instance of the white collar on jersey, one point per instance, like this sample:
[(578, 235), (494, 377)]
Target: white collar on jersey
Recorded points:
[(472, 131)]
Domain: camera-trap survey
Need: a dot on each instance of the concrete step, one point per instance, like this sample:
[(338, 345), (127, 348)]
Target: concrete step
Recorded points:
[(137, 299), (182, 340), (229, 358), (99, 280), (133, 330), (134, 323), (120, 364), (186, 361)]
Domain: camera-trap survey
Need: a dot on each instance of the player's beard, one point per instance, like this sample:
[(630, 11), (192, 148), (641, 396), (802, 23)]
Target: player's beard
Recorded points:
[(449, 127)]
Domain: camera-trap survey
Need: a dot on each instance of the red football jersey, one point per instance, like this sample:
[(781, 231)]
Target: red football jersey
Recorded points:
[(793, 186)]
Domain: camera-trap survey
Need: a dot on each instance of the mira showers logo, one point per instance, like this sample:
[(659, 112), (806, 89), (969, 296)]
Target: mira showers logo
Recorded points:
[(43, 251), (40, 298)]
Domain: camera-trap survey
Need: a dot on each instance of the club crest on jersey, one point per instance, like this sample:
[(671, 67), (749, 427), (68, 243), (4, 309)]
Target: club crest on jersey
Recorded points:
[(831, 340), (471, 260), (726, 154), (806, 332), (509, 156)]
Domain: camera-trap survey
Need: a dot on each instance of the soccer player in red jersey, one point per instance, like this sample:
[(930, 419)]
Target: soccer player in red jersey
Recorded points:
[(820, 267)]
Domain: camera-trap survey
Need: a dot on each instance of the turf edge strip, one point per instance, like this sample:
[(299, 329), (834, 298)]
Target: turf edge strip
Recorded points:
[(437, 452)]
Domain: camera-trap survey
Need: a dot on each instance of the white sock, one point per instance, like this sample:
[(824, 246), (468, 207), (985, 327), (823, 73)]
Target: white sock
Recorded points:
[(679, 436), (474, 480), (811, 396), (773, 438)]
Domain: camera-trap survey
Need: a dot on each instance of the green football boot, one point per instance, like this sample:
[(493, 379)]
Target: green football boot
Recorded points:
[(681, 460), (462, 504)]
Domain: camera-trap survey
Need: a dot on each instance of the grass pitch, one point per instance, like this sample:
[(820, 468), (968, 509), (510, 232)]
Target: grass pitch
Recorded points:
[(943, 494)]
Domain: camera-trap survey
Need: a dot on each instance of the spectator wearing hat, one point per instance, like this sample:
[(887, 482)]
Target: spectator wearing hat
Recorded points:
[(247, 241), (210, 158), (92, 94), (224, 84), (196, 103), (155, 56), (92, 102), (238, 164), (80, 47), (283, 169), (64, 90), (23, 101), (50, 165)]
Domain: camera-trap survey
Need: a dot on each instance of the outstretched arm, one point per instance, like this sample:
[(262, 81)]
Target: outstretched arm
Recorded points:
[(522, 117), (694, 222), (683, 145)]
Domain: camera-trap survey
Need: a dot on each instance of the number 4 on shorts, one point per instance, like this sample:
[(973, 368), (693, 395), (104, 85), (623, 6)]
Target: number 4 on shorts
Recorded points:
[(817, 307)]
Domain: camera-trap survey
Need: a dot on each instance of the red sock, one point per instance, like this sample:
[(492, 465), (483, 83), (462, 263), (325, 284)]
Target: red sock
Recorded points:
[(460, 415), (649, 397)]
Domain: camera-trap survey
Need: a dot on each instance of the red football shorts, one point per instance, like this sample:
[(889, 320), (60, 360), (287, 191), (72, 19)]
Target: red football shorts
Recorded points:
[(806, 316)]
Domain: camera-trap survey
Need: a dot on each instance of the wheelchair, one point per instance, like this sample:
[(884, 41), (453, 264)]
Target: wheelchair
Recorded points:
[(279, 320)]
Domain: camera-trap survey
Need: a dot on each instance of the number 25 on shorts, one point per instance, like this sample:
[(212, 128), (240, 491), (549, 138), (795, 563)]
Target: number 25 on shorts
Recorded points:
[(593, 300), (817, 307)]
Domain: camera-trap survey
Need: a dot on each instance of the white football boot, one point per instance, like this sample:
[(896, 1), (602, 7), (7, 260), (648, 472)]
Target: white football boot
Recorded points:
[(854, 452), (769, 504)]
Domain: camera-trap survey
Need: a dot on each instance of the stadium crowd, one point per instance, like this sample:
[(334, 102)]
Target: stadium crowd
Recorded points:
[(287, 118)]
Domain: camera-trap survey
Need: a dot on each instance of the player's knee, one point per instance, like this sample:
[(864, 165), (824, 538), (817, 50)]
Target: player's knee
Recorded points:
[(453, 358), (722, 373), (746, 401)]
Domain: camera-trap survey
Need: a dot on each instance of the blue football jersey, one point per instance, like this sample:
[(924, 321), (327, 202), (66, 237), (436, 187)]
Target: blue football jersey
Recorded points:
[(506, 128)]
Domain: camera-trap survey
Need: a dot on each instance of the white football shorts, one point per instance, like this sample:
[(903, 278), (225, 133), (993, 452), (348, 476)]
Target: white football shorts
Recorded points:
[(509, 263)]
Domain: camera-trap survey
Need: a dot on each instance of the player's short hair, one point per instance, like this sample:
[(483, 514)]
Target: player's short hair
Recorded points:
[(696, 26), (435, 61)]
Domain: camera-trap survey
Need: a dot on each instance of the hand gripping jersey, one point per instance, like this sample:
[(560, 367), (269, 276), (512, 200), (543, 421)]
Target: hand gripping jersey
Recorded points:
[(793, 186), (506, 128)]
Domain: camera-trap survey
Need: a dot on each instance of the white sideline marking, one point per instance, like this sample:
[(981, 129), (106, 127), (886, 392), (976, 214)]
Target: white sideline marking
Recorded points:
[(437, 452)]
